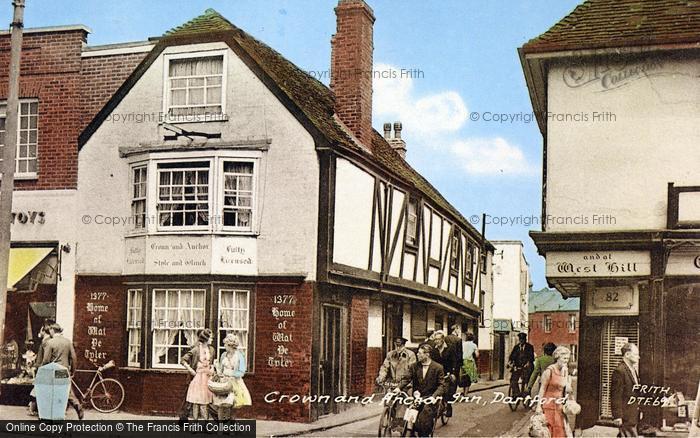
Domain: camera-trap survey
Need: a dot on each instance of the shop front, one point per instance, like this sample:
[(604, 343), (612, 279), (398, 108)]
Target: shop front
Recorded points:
[(39, 285)]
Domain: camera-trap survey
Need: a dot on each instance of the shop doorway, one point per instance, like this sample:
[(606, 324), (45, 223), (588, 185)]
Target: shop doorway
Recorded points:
[(332, 363), (500, 354), (616, 332), (393, 324)]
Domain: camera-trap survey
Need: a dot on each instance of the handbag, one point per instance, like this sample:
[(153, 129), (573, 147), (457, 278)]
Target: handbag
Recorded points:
[(571, 407)]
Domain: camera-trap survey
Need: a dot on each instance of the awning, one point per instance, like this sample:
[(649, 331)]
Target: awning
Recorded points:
[(22, 261)]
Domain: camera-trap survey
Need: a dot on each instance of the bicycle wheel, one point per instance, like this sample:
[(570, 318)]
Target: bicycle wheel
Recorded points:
[(107, 395), (443, 413), (385, 423), (513, 391)]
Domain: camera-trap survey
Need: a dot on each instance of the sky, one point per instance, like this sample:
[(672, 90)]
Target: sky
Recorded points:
[(456, 71)]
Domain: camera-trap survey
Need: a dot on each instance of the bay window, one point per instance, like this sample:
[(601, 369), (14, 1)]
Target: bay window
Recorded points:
[(27, 137), (168, 317), (200, 194)]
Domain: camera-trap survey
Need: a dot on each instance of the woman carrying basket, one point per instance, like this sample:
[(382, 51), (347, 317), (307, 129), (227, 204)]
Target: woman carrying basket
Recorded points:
[(230, 369)]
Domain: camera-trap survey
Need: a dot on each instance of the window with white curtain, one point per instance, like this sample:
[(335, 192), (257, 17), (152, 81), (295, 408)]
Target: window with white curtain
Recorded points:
[(238, 195), (183, 194), (412, 222), (27, 136), (234, 317), (195, 86), (133, 326), (139, 184), (177, 316)]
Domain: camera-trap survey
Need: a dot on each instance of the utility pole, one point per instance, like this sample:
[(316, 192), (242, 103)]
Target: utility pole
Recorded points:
[(7, 185)]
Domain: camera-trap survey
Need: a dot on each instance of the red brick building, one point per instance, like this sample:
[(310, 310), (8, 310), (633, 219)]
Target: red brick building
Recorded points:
[(553, 319)]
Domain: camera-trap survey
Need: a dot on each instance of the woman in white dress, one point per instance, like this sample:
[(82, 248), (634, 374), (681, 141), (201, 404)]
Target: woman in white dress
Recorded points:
[(231, 367)]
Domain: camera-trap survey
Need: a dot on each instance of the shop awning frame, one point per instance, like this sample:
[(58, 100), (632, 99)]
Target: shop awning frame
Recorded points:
[(23, 261)]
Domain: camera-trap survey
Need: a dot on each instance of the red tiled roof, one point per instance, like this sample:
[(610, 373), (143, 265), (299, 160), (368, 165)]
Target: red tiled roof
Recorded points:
[(598, 24)]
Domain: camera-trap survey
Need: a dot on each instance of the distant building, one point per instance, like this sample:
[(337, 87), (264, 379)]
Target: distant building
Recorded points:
[(511, 283), (553, 319)]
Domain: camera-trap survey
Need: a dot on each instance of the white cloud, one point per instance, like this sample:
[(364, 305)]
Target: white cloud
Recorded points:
[(429, 115), (496, 155), (435, 120)]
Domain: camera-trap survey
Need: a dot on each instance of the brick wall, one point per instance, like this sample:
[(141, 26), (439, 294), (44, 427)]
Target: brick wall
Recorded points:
[(374, 362), (100, 77), (50, 72), (559, 335), (351, 66), (359, 313), (483, 364)]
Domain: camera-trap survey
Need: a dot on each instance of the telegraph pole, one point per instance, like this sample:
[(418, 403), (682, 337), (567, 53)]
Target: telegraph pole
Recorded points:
[(7, 184)]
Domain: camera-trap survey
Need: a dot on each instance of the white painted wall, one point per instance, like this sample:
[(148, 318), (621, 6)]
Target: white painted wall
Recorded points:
[(486, 332), (510, 278), (288, 215), (622, 167), (354, 191), (60, 222), (374, 324)]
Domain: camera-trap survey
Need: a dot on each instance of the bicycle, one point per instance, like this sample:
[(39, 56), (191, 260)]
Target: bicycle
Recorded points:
[(105, 394), (516, 387), (442, 404), (390, 418)]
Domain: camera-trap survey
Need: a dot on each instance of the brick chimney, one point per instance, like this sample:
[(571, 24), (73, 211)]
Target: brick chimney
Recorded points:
[(351, 68), (396, 142)]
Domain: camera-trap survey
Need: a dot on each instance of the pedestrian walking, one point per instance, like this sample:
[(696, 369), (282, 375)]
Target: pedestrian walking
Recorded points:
[(444, 354), (541, 364), (555, 385), (231, 368), (624, 378), (198, 361), (469, 373), (45, 336), (60, 350)]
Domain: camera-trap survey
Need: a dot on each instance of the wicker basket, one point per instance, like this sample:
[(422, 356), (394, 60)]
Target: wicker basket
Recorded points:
[(219, 388)]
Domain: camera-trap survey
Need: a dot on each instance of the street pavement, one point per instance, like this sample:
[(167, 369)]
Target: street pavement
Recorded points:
[(486, 416)]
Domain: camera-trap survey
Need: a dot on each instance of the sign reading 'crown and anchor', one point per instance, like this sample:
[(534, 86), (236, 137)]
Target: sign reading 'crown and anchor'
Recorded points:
[(598, 264)]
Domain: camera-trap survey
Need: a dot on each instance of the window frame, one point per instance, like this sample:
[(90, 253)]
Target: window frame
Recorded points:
[(415, 201), (194, 118), (3, 115), (572, 323), (153, 328), (210, 188), (547, 323), (134, 325), (250, 344), (136, 167), (221, 196)]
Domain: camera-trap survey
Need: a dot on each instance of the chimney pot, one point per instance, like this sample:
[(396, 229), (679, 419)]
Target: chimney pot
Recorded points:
[(397, 130), (387, 131)]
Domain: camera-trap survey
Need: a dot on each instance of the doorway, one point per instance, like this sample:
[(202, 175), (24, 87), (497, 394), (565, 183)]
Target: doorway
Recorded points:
[(393, 324), (616, 332), (332, 363)]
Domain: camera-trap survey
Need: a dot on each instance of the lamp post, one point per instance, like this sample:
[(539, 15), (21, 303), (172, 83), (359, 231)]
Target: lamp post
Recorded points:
[(7, 184)]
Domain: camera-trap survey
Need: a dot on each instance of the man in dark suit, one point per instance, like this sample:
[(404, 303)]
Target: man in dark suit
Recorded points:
[(428, 378), (625, 376), (445, 354), (522, 360), (60, 350)]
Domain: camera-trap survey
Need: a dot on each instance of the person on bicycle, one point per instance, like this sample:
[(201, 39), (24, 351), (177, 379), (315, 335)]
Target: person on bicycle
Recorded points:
[(397, 363), (445, 354), (521, 361), (427, 377)]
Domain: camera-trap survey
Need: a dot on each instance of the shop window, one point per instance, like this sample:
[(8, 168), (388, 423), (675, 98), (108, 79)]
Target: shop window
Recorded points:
[(27, 137), (195, 87), (238, 195), (133, 326), (412, 222), (572, 323), (234, 318), (138, 196), (183, 195), (548, 323), (177, 316), (419, 322)]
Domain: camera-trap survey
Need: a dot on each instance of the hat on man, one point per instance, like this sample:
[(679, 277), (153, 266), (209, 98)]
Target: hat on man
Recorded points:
[(400, 340)]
